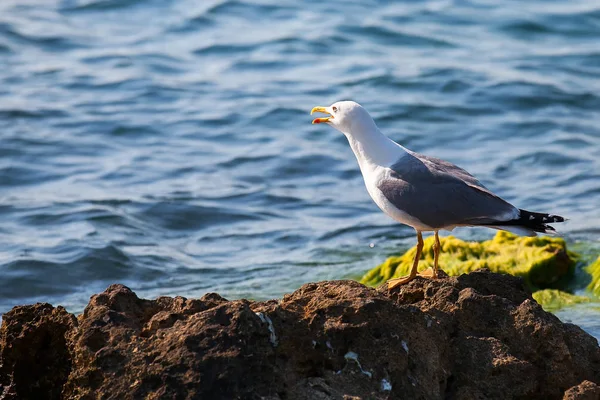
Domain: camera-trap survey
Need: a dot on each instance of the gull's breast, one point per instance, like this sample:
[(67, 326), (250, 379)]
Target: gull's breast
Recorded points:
[(372, 176)]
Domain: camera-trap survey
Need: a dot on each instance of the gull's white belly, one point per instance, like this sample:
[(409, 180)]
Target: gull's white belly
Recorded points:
[(372, 177)]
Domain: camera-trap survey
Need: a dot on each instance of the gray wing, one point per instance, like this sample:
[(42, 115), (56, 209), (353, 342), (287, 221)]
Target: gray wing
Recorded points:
[(440, 194)]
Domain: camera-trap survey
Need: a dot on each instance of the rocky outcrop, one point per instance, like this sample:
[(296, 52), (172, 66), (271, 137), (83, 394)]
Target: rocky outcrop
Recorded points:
[(34, 360), (476, 336)]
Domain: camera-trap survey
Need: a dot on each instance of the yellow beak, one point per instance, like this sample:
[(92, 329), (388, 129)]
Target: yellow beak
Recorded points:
[(321, 110)]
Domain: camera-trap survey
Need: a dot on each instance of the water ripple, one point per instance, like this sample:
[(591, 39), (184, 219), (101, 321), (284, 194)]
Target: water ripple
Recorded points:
[(168, 146)]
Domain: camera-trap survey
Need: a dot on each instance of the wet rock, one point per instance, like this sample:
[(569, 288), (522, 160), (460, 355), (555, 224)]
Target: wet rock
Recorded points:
[(477, 336)]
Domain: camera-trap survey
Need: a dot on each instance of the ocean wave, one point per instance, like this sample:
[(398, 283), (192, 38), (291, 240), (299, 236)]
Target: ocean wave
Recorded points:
[(169, 146)]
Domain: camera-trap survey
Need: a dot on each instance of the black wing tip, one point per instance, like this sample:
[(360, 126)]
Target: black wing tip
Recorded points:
[(532, 221), (534, 218), (555, 218), (538, 222)]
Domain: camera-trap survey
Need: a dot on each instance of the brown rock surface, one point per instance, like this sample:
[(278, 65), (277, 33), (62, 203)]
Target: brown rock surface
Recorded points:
[(477, 336), (586, 390), (34, 359)]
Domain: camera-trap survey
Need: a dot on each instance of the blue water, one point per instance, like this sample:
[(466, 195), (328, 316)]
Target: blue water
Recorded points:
[(167, 145)]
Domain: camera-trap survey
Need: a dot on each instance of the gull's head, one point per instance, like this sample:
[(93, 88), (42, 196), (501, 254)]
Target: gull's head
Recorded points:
[(347, 117)]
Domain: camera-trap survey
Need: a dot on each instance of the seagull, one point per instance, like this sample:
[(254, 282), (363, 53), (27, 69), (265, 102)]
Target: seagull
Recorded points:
[(424, 192)]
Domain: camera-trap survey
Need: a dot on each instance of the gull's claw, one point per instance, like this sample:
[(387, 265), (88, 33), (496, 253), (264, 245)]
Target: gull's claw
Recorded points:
[(429, 273), (392, 283)]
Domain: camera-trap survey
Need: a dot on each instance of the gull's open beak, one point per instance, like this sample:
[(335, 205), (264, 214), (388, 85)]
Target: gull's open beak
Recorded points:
[(321, 110)]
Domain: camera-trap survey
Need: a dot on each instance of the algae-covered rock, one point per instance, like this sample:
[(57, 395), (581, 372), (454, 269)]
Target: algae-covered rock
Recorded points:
[(594, 270), (553, 300), (541, 260)]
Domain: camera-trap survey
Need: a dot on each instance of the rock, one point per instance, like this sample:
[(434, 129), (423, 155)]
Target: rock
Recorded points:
[(553, 300), (34, 360), (168, 348), (480, 335), (594, 270), (586, 390), (541, 261)]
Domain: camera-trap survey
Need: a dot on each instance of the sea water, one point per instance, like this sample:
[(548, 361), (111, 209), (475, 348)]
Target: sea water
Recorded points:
[(167, 145)]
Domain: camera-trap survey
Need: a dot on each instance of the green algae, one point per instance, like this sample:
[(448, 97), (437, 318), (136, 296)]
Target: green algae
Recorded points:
[(594, 270), (541, 261), (553, 300)]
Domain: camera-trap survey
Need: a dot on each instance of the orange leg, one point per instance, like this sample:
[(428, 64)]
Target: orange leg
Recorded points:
[(392, 283), (436, 254), (432, 273)]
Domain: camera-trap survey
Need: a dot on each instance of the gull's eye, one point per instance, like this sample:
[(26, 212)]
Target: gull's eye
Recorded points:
[(334, 108)]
